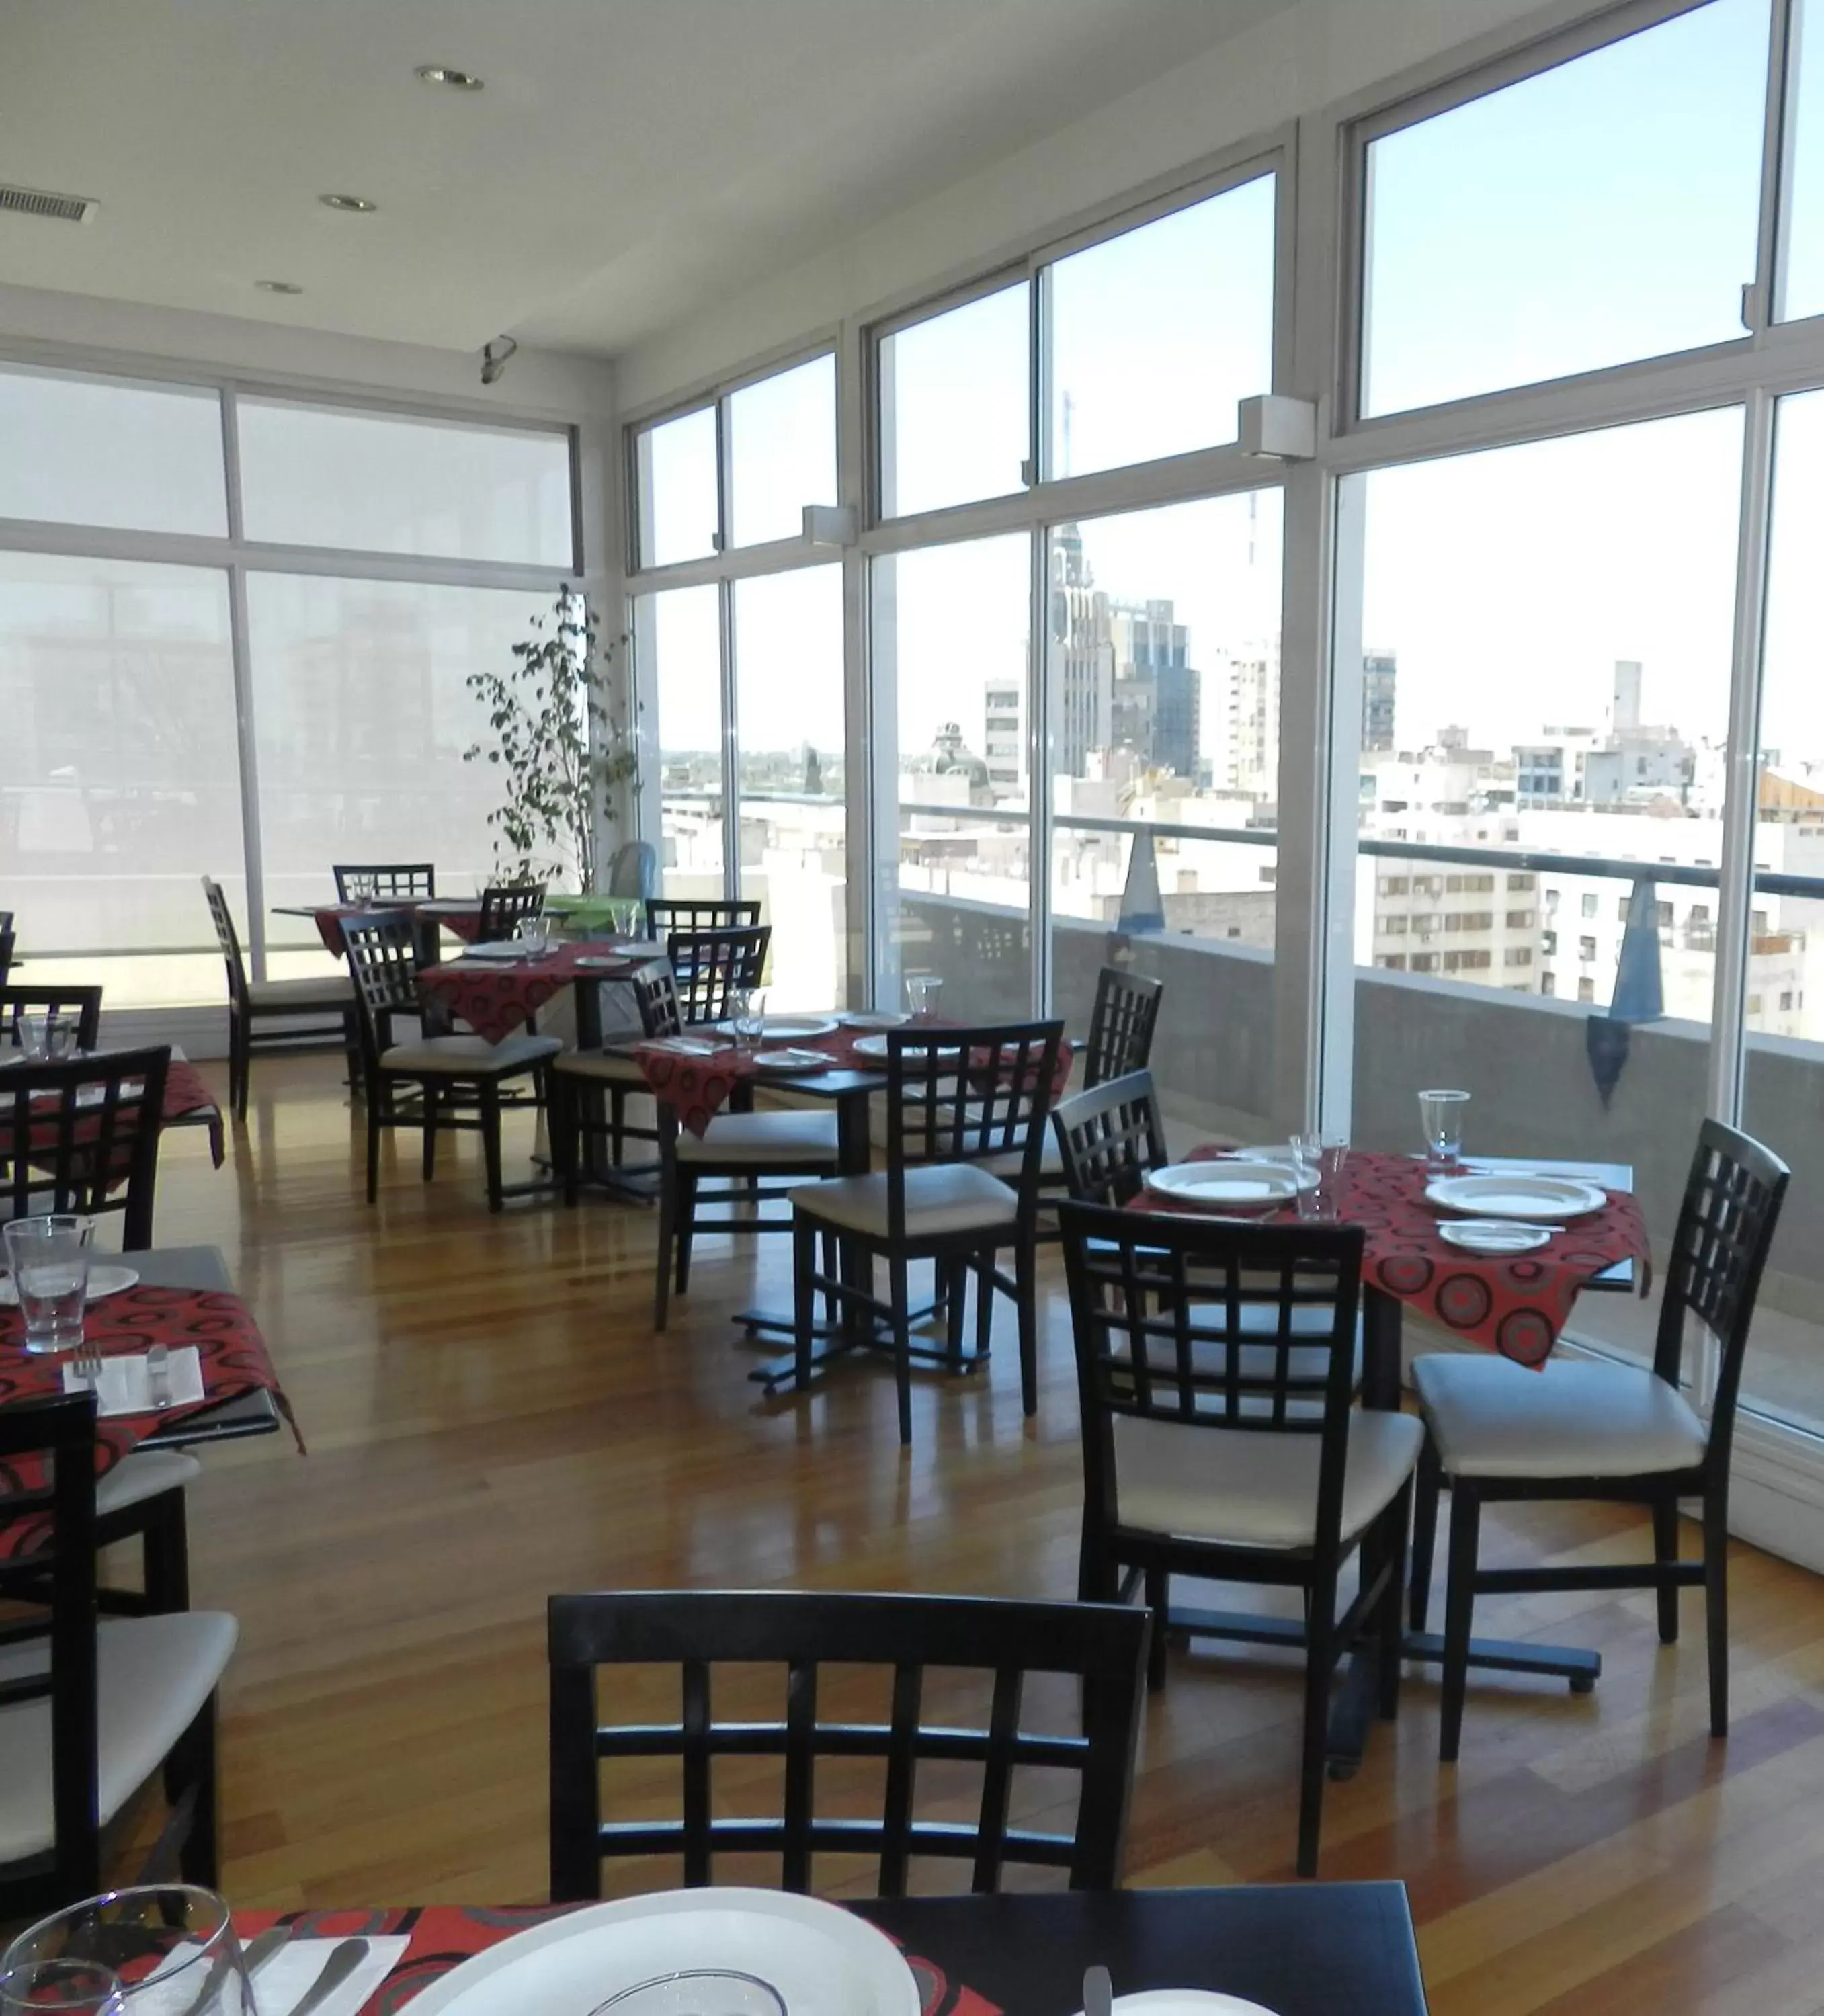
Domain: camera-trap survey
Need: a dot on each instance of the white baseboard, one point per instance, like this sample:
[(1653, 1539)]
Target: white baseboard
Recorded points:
[(198, 1032)]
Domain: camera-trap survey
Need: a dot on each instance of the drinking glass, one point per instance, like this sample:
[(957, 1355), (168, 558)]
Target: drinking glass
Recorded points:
[(746, 1007), (1440, 1116), (1306, 1160), (532, 933), (172, 1947), (49, 1036), (922, 990), (1325, 1154), (624, 917), (47, 1258), (67, 1987)]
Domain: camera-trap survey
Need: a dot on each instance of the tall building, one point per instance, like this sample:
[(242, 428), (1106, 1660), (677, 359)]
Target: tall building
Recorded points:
[(1244, 758), (1379, 675), (1156, 700), (1004, 735), (1082, 658)]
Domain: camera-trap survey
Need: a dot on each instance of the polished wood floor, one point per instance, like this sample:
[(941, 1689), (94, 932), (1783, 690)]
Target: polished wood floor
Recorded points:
[(490, 1419)]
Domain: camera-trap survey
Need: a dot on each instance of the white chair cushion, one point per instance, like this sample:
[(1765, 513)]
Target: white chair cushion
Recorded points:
[(1491, 1417), (334, 990), (146, 1473), (761, 1138), (468, 1056), (602, 1066), (940, 1198), (154, 1674), (1254, 1489)]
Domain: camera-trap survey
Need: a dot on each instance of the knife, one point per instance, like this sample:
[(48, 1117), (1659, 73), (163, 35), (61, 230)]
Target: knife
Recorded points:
[(337, 1969)]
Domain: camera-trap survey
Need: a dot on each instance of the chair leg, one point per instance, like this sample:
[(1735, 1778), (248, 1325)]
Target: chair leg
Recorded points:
[(1459, 1607), (1096, 1576), (804, 1250), (191, 1764), (687, 1227), (374, 1107), (1394, 1603), (617, 1123), (832, 1304), (1666, 1556), (428, 1109), (670, 1183), (566, 1123), (167, 1555), (984, 1305), (490, 1102), (902, 1297), (1320, 1625), (1426, 1485), (1715, 1608), (239, 1059), (1159, 1590), (1026, 1283), (954, 1275), (352, 1048)]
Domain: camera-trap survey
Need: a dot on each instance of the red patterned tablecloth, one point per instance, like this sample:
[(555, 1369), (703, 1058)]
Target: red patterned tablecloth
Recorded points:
[(330, 917), (443, 1935), (1518, 1305), (233, 1355), (697, 1087), (495, 997)]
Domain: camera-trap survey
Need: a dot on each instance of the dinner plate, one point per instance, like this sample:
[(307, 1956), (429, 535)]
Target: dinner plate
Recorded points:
[(1233, 1183), (1541, 1198), (794, 1028), (789, 1063), (102, 1281), (873, 1018), (500, 948), (820, 1959), (1186, 2002), (1493, 1235)]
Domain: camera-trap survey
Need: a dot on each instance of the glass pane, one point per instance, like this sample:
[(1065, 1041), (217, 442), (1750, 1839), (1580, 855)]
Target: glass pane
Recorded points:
[(782, 450), (678, 636), (1598, 212), (953, 419), (1163, 652), (960, 907), (323, 475), (363, 712), (1802, 275), (104, 451), (120, 779), (1128, 387), (1547, 634), (789, 716), (1784, 1371), (679, 514)]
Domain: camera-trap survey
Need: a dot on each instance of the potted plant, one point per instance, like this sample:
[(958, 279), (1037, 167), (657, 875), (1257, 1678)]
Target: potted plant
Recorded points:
[(562, 758)]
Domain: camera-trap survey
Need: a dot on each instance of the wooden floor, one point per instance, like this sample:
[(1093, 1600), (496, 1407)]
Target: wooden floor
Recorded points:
[(490, 1419)]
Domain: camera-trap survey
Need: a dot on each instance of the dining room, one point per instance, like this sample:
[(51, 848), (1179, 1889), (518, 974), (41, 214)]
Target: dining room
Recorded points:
[(907, 1066)]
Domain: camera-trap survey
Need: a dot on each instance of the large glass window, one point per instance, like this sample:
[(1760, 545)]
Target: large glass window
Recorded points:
[(78, 451), (678, 488), (119, 780), (320, 475), (1154, 334), (678, 636), (952, 663), (1802, 263), (781, 450), (954, 420), (791, 775), (1163, 649), (1593, 213), (1545, 642)]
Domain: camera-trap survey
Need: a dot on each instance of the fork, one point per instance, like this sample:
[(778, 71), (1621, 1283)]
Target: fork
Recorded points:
[(87, 1363)]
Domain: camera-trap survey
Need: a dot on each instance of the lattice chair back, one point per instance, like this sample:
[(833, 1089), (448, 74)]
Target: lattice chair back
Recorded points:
[(505, 906), (655, 994), (709, 966), (17, 1002), (229, 939), (82, 1135), (378, 881), (1109, 1137), (1122, 1022), (665, 915)]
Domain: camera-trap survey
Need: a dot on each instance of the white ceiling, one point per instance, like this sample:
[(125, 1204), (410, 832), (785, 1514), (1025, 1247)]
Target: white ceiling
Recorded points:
[(628, 162)]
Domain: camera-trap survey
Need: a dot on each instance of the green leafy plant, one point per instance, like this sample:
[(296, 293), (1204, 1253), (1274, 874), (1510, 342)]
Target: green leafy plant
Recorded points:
[(563, 759)]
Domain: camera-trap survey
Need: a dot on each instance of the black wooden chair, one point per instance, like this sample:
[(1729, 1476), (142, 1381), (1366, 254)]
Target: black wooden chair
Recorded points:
[(90, 1709), (1102, 1647), (505, 906), (1122, 1022), (1496, 1431), (590, 1090), (375, 881), (82, 1002), (1108, 1138), (966, 1112), (458, 1076), (711, 964), (1222, 1448), (666, 914), (310, 1001)]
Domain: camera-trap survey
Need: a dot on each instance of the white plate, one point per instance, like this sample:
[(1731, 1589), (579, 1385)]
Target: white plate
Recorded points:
[(1233, 1183), (102, 1281), (1186, 2002), (794, 1028), (823, 1960), (1493, 1235), (789, 1063), (873, 1018), (1543, 1198)]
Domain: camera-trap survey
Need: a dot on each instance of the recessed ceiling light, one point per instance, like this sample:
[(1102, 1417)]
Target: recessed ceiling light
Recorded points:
[(279, 287), (457, 79), (360, 203)]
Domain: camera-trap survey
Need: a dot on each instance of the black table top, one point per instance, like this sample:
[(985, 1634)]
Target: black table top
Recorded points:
[(1298, 1949)]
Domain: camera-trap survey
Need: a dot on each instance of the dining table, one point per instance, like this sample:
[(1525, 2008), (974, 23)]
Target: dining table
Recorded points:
[(460, 916), (498, 992), (1516, 1305), (1294, 1950)]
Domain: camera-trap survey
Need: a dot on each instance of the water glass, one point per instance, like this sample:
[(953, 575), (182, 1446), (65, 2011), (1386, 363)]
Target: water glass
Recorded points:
[(922, 990), (47, 1258), (532, 933), (1322, 1155), (746, 1015), (46, 1037), (67, 1987), (1440, 1116), (172, 1948), (623, 915)]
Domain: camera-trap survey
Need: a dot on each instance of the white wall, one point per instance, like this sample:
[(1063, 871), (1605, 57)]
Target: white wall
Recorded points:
[(1310, 56)]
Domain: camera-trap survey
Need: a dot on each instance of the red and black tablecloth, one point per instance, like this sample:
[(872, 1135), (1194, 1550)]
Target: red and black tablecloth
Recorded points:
[(497, 997), (443, 1935), (229, 1348), (1517, 1303)]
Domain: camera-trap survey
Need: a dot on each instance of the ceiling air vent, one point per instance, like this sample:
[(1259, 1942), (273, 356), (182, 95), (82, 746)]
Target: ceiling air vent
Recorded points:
[(44, 203)]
